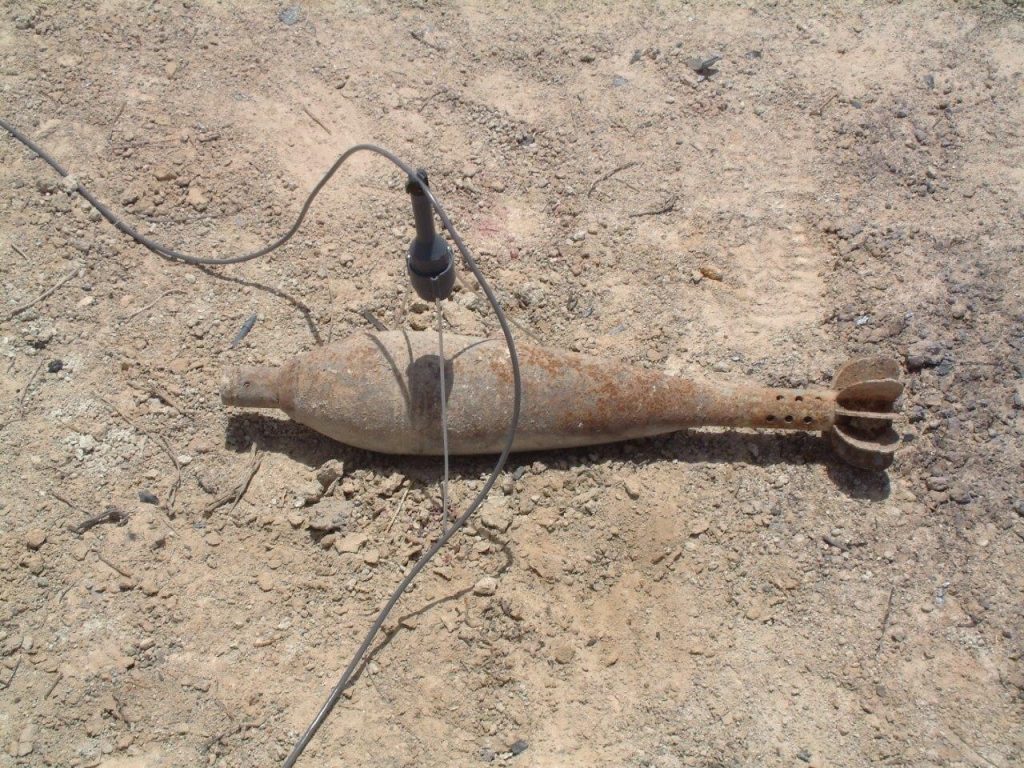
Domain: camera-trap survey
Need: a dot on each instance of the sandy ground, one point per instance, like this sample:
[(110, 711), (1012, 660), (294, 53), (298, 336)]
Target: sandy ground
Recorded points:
[(844, 182)]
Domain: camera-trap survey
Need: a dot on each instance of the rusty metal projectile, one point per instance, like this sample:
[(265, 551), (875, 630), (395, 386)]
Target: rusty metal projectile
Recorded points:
[(380, 391)]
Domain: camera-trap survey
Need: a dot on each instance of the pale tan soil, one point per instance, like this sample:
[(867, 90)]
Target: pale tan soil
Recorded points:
[(856, 184)]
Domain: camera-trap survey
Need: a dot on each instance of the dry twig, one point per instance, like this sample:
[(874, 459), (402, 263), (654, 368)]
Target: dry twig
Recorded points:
[(167, 449), (53, 687), (28, 386), (151, 304), (397, 511), (885, 621), (235, 495), (666, 208), (13, 673), (610, 174), (315, 119), (114, 566), (67, 278)]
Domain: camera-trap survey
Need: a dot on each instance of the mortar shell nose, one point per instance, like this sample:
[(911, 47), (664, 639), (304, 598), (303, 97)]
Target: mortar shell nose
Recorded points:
[(250, 387), (862, 434)]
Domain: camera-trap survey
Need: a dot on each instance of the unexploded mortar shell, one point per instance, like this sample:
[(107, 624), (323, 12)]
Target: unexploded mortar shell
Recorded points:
[(251, 387)]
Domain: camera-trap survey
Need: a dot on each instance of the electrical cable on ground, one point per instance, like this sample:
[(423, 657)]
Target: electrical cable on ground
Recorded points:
[(442, 372), (467, 256)]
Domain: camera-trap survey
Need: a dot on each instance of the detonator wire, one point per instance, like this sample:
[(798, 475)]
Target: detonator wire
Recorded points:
[(443, 370)]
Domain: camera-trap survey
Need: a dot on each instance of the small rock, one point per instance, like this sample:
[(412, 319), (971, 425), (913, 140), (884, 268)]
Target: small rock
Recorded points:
[(213, 539), (55, 366), (35, 538), (94, 726), (486, 586), (350, 544), (371, 556), (632, 488), (785, 579), (148, 498), (518, 746), (163, 173), (563, 653), (960, 494), (149, 586), (497, 186), (265, 581), (329, 472), (937, 483), (924, 354), (699, 526), (25, 743), (170, 69), (290, 15), (712, 272), (330, 515), (197, 198), (496, 518), (395, 481)]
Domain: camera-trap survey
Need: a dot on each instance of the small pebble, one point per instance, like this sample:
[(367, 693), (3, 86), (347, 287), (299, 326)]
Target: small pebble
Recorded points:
[(35, 538), (265, 581), (564, 653), (329, 472), (486, 586), (350, 544), (712, 272), (497, 519), (55, 366), (149, 586), (290, 15), (148, 498)]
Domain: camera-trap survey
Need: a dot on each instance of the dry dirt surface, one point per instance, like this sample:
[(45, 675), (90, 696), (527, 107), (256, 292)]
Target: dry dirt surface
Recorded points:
[(840, 182)]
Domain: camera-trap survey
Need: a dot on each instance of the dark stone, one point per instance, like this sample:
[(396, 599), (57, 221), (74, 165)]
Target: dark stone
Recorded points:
[(290, 15), (926, 353)]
